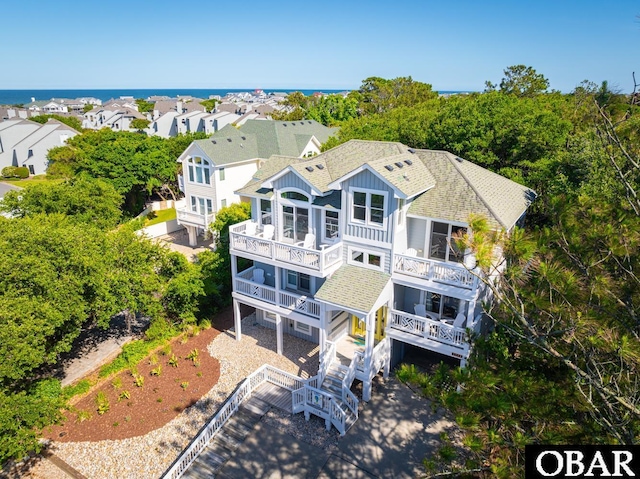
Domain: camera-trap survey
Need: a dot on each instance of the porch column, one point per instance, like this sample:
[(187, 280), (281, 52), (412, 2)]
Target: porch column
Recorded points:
[(237, 320), (279, 334), (193, 235), (368, 352), (322, 339)]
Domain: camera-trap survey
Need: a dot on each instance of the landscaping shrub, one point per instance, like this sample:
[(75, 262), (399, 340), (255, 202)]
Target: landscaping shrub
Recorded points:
[(81, 387), (22, 172), (9, 171)]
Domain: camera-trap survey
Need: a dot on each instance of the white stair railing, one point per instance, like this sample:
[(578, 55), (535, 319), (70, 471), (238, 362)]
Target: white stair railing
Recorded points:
[(263, 374)]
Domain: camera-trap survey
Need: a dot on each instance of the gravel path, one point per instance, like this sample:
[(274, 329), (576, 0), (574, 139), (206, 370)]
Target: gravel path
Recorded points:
[(150, 455)]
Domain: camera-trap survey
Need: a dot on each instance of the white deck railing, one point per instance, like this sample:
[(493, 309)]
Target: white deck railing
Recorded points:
[(300, 303), (311, 400), (242, 240), (438, 271), (428, 328), (347, 396), (326, 358), (184, 215), (379, 356), (263, 374)]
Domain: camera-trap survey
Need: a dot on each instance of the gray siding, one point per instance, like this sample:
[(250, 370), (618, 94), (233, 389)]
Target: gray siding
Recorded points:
[(269, 273), (368, 181), (291, 180), (386, 253), (339, 326), (405, 298)]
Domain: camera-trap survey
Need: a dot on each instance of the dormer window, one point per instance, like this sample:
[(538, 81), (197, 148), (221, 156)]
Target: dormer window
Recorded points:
[(199, 170), (368, 208), (443, 245)]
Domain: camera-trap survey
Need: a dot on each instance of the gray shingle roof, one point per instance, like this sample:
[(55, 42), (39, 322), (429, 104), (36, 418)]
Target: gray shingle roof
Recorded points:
[(269, 168), (261, 139), (340, 288), (463, 188)]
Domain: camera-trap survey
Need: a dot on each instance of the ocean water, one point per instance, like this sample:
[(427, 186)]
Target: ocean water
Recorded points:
[(16, 97)]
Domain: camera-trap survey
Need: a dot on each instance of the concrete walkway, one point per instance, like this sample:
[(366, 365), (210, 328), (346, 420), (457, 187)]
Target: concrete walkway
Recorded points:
[(395, 432)]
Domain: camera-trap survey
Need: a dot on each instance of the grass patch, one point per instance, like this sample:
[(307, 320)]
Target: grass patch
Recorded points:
[(34, 180), (160, 216), (81, 387)]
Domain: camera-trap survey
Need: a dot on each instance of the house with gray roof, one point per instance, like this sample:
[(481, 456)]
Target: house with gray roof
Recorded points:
[(27, 143), (213, 169), (354, 249)]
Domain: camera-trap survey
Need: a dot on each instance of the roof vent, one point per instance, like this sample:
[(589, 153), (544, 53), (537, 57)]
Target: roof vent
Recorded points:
[(309, 168), (389, 167), (408, 162), (309, 122), (302, 122), (320, 167), (229, 140), (214, 142), (284, 124), (243, 137), (411, 150), (398, 164)]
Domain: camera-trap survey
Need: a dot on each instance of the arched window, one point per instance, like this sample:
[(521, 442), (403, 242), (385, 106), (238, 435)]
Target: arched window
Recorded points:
[(295, 211), (199, 171)]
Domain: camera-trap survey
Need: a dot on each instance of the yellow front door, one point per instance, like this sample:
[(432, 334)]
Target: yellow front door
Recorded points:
[(358, 327), (381, 323)]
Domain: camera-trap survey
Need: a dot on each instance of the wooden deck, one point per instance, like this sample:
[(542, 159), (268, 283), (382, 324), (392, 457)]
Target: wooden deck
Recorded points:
[(275, 396)]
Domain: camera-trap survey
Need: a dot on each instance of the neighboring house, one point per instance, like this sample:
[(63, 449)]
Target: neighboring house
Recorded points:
[(26, 143), (217, 121), (353, 248), (114, 118), (214, 168)]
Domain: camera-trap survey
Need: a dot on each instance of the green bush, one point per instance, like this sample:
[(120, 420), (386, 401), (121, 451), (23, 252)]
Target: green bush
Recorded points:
[(9, 172), (80, 387), (22, 172)]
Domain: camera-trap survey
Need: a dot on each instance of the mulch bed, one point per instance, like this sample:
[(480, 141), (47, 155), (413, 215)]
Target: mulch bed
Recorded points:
[(158, 401)]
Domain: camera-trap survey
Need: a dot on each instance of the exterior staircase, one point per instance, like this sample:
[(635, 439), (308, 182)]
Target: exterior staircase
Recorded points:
[(333, 384), (227, 440)]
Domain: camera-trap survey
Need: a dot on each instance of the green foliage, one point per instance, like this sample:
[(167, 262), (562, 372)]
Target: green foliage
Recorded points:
[(124, 395), (83, 200), (81, 387), (24, 413), (10, 172), (140, 123), (70, 121), (184, 384), (173, 361), (138, 380), (22, 172), (378, 95), (102, 403), (83, 415), (193, 355), (87, 108), (134, 164), (209, 104), (144, 106), (157, 371)]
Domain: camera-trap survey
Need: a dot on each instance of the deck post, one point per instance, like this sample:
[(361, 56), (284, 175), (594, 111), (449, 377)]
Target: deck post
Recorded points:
[(193, 235), (237, 320), (279, 338), (368, 352)]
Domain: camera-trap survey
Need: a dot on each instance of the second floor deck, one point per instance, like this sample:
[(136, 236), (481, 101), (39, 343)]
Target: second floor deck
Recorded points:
[(250, 241)]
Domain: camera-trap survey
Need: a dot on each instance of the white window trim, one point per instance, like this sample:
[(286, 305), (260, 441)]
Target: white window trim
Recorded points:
[(269, 316), (297, 328), (367, 220), (190, 162), (197, 204), (222, 174), (324, 225), (365, 264)]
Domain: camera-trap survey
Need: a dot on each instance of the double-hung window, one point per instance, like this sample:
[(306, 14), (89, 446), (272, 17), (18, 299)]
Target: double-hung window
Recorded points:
[(202, 206), (368, 207), (265, 212), (331, 225), (199, 170), (298, 281)]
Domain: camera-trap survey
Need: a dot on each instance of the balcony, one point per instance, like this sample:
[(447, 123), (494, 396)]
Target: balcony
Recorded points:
[(244, 285), (451, 274), (430, 333), (187, 217), (248, 241)]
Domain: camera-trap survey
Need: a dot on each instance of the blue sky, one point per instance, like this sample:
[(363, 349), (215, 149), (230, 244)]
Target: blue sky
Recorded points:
[(454, 45)]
